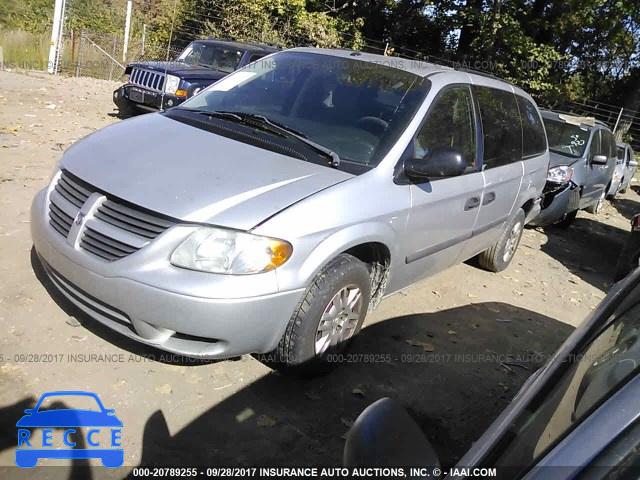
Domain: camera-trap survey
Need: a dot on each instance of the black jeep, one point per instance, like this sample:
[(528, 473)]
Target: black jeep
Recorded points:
[(161, 85)]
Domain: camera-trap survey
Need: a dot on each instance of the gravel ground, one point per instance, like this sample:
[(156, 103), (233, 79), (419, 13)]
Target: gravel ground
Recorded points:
[(447, 338)]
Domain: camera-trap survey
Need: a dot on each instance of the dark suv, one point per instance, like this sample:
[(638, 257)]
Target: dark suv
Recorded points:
[(583, 158), (160, 85)]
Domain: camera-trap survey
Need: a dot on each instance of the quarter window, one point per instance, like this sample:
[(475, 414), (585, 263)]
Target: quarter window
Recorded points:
[(534, 141), (450, 123), (502, 133)]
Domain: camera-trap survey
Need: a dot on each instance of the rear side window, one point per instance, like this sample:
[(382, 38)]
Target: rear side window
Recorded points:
[(502, 133), (534, 141)]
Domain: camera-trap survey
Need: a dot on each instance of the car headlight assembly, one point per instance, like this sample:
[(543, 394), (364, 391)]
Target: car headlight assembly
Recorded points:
[(220, 250), (171, 84), (561, 174)]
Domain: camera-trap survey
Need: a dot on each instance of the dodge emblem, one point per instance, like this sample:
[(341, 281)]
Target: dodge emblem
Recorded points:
[(80, 218)]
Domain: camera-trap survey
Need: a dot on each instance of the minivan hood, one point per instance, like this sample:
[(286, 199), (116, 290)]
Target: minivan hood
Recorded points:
[(183, 70), (558, 160), (194, 175)]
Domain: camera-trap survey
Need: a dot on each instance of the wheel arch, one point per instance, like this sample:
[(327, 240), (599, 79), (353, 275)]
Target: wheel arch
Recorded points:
[(370, 243)]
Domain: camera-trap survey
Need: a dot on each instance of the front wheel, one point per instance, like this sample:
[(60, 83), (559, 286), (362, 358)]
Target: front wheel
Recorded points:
[(567, 220), (499, 255), (329, 315), (596, 208)]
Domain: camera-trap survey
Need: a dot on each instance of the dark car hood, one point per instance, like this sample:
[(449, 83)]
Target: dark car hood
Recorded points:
[(182, 70), (187, 173), (558, 160)]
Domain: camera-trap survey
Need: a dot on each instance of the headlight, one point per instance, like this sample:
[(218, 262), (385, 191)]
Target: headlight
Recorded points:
[(560, 174), (219, 250), (172, 83)]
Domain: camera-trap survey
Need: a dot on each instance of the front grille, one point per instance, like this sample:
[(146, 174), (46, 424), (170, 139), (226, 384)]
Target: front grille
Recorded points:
[(147, 79), (115, 229)]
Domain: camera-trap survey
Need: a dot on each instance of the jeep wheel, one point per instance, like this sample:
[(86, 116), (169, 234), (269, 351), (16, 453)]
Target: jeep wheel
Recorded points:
[(499, 255), (329, 315)]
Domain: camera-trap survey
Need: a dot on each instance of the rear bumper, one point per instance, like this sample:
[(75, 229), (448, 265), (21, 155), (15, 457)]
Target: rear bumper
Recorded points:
[(135, 95), (557, 201), (180, 320)]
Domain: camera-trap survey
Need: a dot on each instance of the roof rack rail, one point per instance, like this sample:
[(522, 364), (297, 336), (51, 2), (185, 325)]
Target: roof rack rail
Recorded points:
[(484, 74)]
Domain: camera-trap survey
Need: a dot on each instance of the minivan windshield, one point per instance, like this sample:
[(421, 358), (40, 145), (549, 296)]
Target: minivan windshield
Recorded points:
[(566, 139), (354, 108), (211, 56)]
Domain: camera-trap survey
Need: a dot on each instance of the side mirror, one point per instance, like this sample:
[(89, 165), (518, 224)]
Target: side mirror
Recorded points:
[(633, 164), (599, 159), (384, 435), (438, 163), (29, 411)]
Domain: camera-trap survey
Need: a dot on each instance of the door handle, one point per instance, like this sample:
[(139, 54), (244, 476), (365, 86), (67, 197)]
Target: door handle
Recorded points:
[(488, 198), (472, 203)]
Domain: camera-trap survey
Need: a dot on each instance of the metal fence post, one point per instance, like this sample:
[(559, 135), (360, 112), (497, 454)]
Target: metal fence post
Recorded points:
[(80, 50), (618, 121), (115, 44)]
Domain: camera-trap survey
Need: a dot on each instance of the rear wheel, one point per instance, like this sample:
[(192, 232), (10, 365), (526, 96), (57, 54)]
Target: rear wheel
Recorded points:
[(499, 256), (330, 314)]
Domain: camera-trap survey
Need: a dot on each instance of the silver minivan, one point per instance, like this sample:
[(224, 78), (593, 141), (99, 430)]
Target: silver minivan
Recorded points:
[(271, 212)]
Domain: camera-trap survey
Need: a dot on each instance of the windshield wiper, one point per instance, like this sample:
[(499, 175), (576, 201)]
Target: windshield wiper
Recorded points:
[(276, 128)]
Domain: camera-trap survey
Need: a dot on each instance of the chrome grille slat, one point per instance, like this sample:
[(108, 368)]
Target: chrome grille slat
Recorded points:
[(70, 209), (121, 247), (76, 200), (62, 217), (126, 223), (143, 217), (98, 251), (79, 189), (147, 79), (109, 249), (115, 230), (116, 233), (59, 228)]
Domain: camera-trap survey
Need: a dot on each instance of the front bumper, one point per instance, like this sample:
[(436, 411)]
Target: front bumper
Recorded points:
[(138, 96), (557, 201), (145, 298)]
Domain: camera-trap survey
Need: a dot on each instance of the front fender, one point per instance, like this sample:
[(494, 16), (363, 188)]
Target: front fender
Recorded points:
[(343, 240)]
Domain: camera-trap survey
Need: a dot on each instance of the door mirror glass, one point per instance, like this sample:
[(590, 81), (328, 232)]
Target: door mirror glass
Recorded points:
[(384, 435), (440, 162), (599, 159)]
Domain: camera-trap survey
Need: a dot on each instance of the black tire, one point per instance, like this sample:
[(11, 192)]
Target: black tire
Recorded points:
[(296, 352), (495, 258), (567, 220)]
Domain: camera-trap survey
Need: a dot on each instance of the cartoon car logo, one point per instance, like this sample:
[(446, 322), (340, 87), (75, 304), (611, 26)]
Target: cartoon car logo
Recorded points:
[(104, 428)]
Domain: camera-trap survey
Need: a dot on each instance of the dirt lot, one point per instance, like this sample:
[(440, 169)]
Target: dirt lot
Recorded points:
[(238, 412)]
